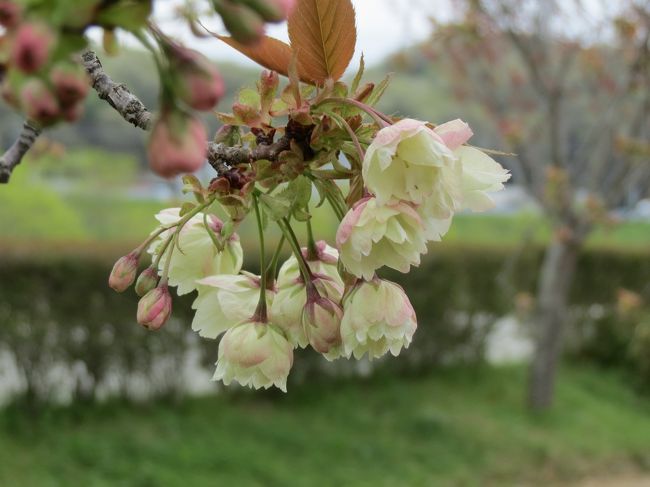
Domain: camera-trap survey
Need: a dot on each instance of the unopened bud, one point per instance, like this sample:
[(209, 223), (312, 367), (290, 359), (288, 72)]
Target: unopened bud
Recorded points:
[(321, 319), (147, 281), (73, 112), (32, 46), (9, 14), (154, 308), (71, 83), (201, 85), (271, 10), (245, 25), (178, 144), (123, 273), (39, 103)]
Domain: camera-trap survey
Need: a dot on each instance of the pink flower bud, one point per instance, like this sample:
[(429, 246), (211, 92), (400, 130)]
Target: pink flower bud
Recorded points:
[(201, 85), (154, 308), (147, 281), (71, 83), (73, 112), (31, 47), (123, 273), (178, 144), (9, 14), (39, 103), (245, 25), (321, 319)]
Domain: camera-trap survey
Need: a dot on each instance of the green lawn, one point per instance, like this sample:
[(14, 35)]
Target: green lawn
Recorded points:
[(455, 427)]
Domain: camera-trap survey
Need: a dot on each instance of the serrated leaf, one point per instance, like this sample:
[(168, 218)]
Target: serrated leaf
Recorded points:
[(323, 34), (271, 53)]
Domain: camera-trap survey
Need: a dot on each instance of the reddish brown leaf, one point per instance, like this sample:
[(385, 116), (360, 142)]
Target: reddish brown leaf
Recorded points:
[(324, 35), (271, 53)]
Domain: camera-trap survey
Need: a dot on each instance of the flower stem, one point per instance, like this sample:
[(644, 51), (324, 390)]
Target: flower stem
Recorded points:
[(340, 213), (272, 269), (168, 260), (261, 314), (285, 226)]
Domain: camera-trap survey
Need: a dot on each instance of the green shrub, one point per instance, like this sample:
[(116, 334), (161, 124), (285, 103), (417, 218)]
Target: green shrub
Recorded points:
[(59, 310)]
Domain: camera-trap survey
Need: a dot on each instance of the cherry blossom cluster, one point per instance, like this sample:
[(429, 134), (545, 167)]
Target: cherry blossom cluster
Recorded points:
[(414, 178)]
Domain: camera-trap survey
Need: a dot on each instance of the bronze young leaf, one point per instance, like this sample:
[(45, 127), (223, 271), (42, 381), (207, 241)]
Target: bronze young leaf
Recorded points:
[(323, 34)]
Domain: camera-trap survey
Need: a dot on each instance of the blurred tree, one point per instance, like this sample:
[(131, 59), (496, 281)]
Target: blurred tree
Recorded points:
[(567, 86)]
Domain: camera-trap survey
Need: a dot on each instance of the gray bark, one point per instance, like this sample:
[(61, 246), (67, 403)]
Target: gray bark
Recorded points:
[(18, 149), (554, 284), (117, 95)]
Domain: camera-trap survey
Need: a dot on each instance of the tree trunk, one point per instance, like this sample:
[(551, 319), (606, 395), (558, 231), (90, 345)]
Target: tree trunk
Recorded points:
[(554, 285)]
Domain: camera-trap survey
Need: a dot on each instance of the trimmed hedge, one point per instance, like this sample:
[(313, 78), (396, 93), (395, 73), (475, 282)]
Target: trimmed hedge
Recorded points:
[(57, 314)]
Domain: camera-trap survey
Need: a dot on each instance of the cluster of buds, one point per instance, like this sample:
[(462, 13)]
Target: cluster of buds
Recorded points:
[(45, 87), (155, 305), (185, 270), (245, 19)]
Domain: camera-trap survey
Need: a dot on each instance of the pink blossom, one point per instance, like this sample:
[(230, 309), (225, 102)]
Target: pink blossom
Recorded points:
[(31, 47), (178, 144)]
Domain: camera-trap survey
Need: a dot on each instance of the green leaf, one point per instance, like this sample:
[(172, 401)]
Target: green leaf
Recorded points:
[(130, 15), (378, 92), (186, 208), (250, 98), (301, 188), (359, 76), (277, 207), (328, 189), (228, 229), (191, 184), (301, 215)]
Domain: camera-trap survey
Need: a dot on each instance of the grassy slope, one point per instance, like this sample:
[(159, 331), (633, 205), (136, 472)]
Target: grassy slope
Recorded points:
[(456, 428)]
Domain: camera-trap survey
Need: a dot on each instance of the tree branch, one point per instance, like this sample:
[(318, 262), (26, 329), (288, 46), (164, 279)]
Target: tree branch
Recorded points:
[(18, 149), (117, 95)]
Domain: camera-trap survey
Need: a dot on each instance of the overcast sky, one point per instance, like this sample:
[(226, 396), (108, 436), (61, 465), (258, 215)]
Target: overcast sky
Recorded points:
[(384, 26)]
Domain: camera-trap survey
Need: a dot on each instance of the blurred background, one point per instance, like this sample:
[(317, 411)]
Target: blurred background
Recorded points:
[(531, 363)]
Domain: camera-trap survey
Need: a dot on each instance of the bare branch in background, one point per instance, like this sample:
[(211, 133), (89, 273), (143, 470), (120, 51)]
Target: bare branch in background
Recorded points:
[(17, 151), (117, 95)]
